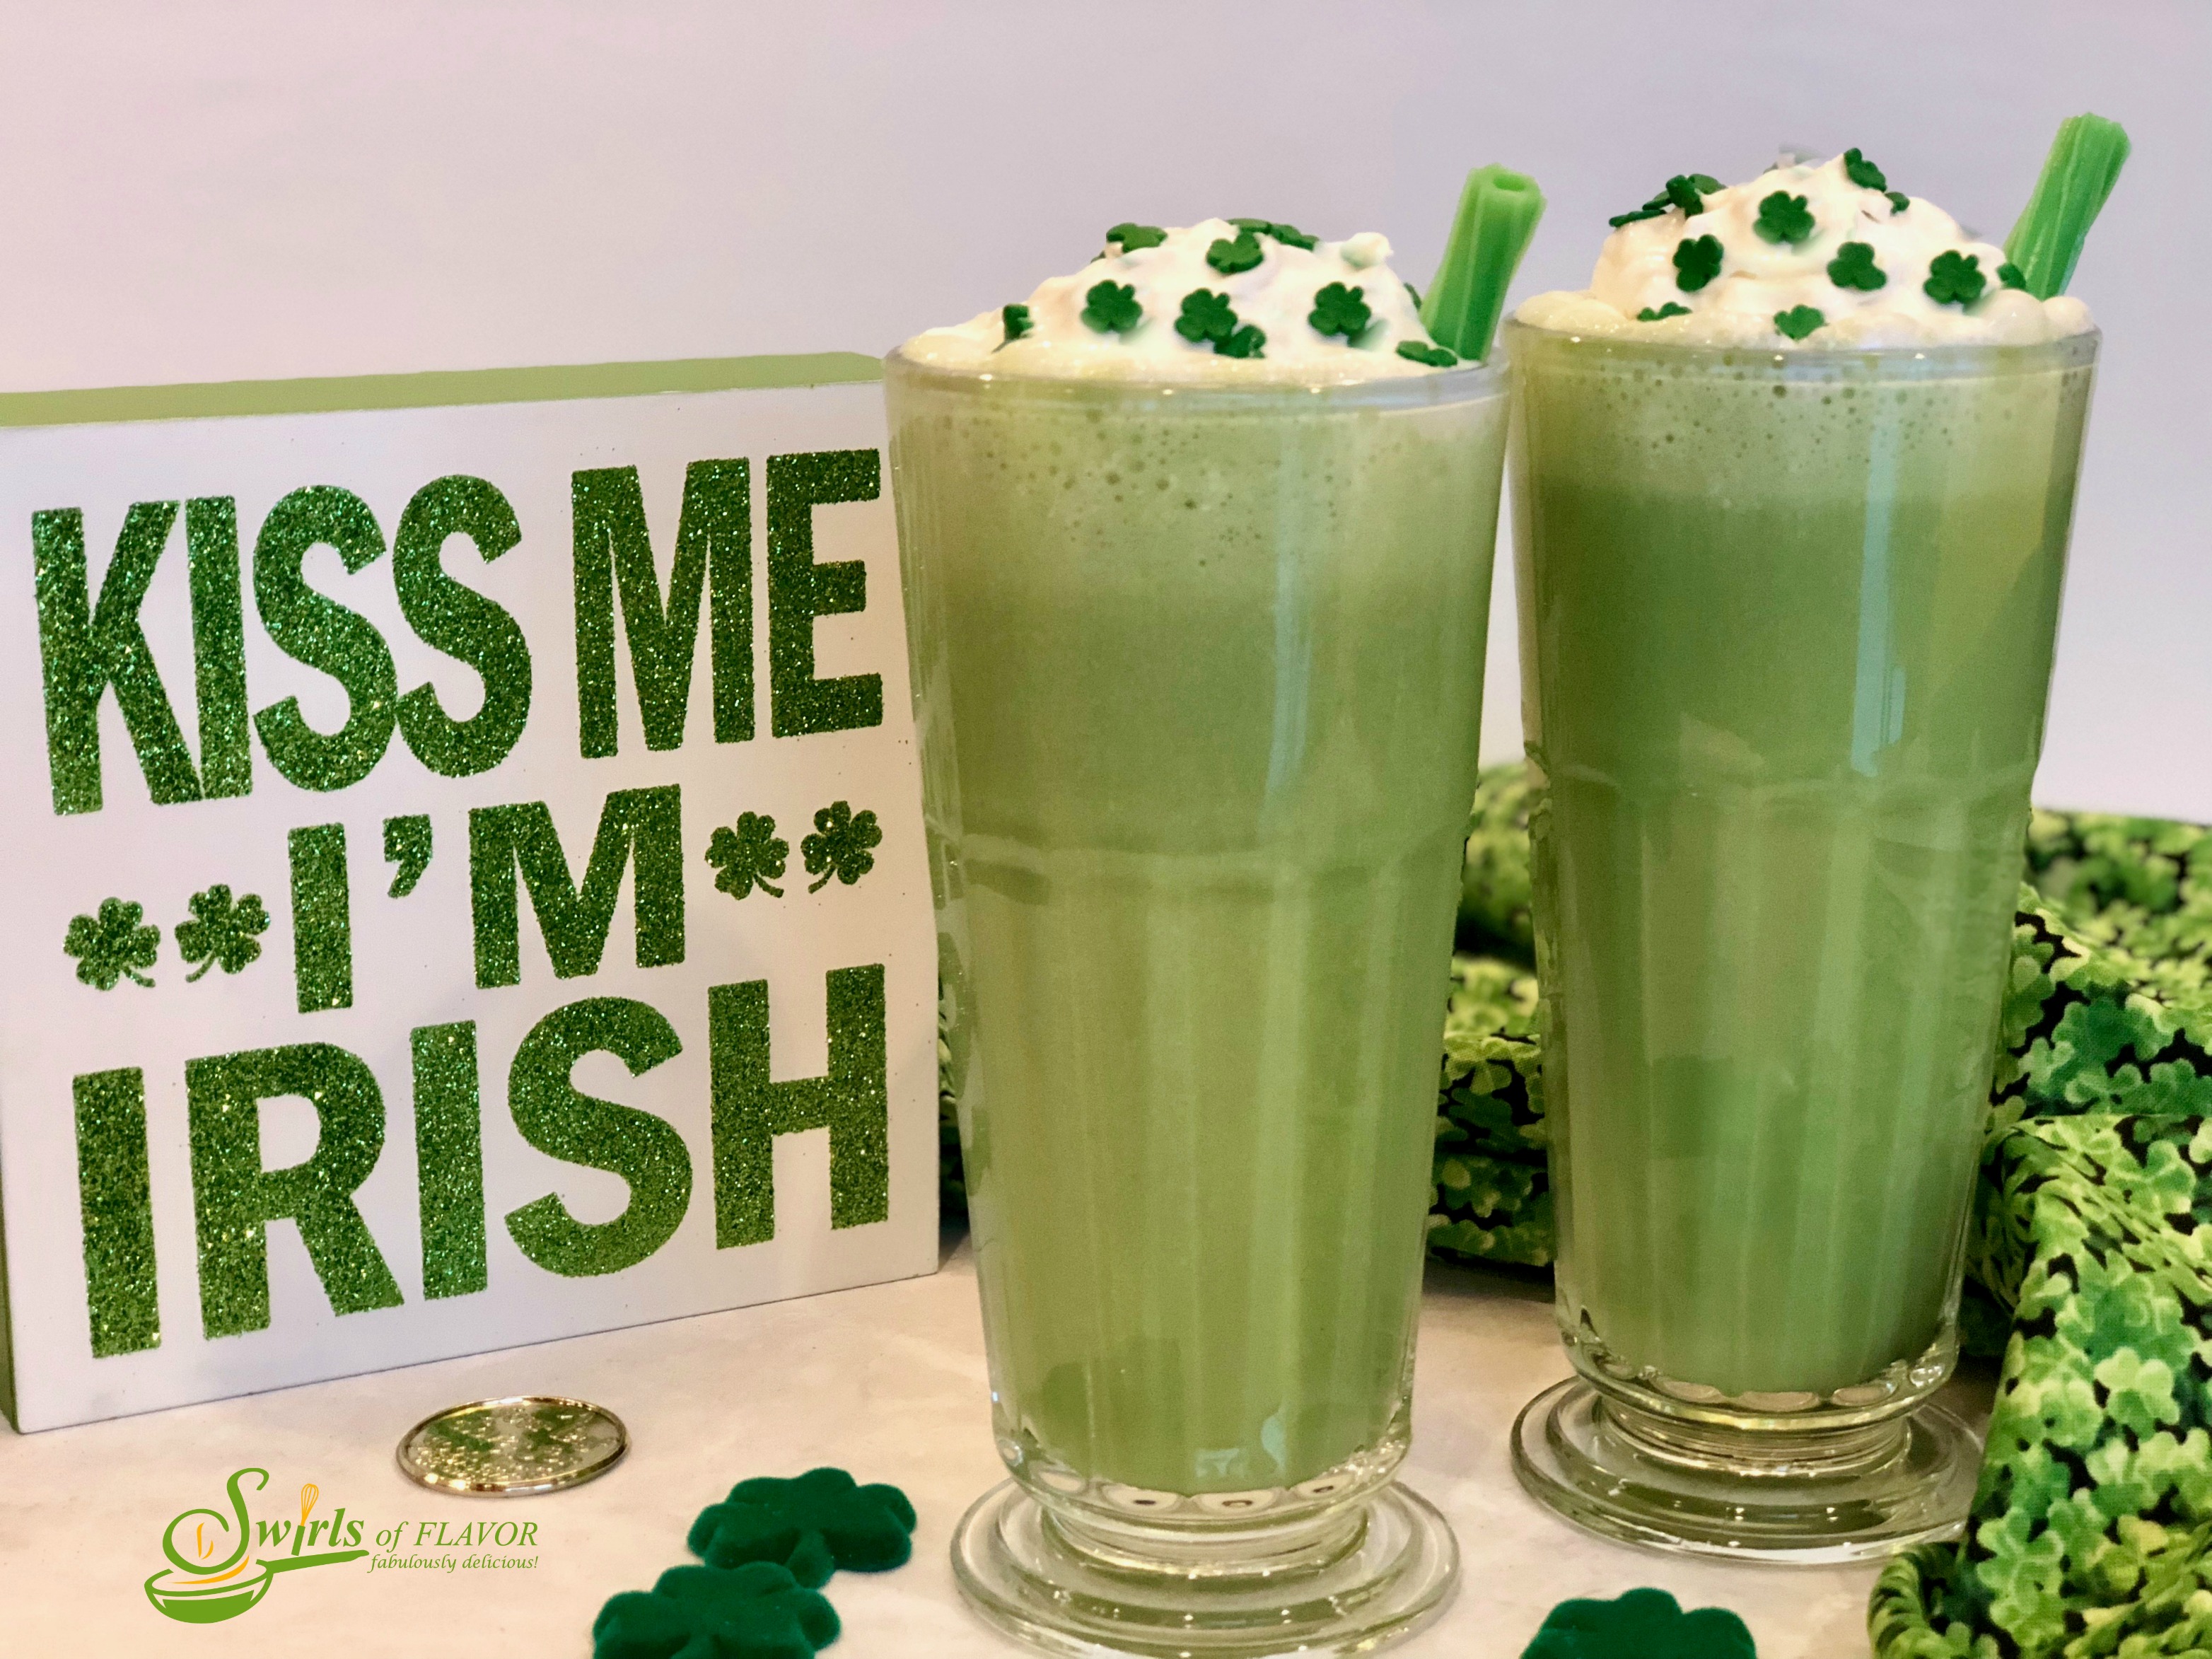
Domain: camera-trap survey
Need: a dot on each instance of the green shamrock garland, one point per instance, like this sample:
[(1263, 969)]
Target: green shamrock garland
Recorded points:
[(812, 1525), (113, 945), (758, 1611), (1644, 1624)]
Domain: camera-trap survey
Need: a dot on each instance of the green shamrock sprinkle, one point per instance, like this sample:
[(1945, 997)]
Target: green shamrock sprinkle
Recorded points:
[(1132, 237), (811, 1525), (1670, 309), (1018, 322), (1419, 351), (1685, 191), (1289, 236), (219, 933), (747, 856), (1112, 308), (1898, 201), (840, 845), (1229, 258), (114, 946), (1413, 295), (1854, 267), (1954, 278), (1206, 316), (1862, 173), (1783, 218), (1799, 321), (1697, 262), (2010, 274), (1245, 342), (1340, 310), (1644, 1624), (757, 1612)]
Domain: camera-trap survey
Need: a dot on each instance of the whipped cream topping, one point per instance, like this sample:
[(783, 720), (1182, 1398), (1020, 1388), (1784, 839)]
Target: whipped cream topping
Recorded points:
[(1821, 248), (1270, 309)]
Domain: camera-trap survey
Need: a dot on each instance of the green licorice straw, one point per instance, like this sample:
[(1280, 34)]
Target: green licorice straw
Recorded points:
[(1497, 218), (2083, 166)]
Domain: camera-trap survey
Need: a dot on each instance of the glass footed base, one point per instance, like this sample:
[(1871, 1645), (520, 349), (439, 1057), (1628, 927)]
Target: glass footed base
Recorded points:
[(1810, 1499), (1392, 1568)]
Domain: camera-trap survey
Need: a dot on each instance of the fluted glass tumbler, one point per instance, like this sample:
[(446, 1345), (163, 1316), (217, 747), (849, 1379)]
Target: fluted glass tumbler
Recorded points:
[(1197, 675), (1786, 624)]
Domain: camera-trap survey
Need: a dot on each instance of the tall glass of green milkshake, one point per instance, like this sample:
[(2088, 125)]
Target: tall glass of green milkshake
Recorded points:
[(1792, 491), (1197, 617)]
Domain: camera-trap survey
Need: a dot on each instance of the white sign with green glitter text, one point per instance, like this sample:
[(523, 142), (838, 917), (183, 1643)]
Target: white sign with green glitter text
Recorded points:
[(466, 884)]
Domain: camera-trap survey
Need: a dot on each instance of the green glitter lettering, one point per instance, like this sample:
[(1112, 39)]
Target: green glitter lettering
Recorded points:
[(322, 918), (87, 647), (234, 1197), (572, 921), (853, 1102), (116, 1198), (407, 842), (219, 646), (714, 553), (560, 1120), (800, 590), (449, 1158), (462, 623), (320, 632)]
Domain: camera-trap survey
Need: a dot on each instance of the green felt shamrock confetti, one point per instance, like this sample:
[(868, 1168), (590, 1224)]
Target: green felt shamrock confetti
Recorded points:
[(811, 1526), (1435, 356), (1670, 309), (1799, 321), (1862, 173), (1133, 238), (840, 846), (1018, 321), (1954, 278), (1290, 235), (1685, 191), (1783, 218), (220, 932), (1112, 308), (1644, 1624), (758, 1611), (1229, 257), (1854, 267), (1340, 310), (2011, 276), (1697, 262), (745, 857), (1206, 316), (113, 945)]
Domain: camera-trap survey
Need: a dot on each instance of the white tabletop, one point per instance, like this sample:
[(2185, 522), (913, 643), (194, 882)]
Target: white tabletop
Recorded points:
[(887, 1381)]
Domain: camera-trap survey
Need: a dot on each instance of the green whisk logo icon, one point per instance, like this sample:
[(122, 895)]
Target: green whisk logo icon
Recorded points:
[(219, 1566)]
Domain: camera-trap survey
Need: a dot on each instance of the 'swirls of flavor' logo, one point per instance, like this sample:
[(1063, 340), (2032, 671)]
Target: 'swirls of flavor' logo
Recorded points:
[(200, 1589)]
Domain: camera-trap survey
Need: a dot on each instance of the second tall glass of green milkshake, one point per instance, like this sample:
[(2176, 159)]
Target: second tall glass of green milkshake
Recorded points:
[(1792, 493), (1197, 551)]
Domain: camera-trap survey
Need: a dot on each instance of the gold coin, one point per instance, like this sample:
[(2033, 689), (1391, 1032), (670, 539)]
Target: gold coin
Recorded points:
[(513, 1448)]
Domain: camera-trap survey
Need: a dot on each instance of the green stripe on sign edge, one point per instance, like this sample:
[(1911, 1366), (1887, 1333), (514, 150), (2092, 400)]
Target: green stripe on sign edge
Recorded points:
[(434, 389)]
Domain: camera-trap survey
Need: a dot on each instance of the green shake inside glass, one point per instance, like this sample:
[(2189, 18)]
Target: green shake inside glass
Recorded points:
[(1197, 552), (1793, 482)]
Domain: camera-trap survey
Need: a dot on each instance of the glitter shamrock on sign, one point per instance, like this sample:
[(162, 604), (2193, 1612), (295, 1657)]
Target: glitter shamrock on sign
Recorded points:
[(1016, 321), (1112, 308), (1131, 238), (1783, 218), (114, 944), (1289, 236), (1419, 351), (1670, 309), (1685, 191), (819, 1523), (1954, 278), (1697, 262), (745, 857), (754, 1611), (1644, 1624), (220, 931), (1340, 310), (839, 846), (1229, 257), (1799, 321), (1854, 267)]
